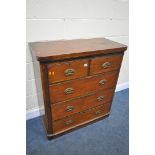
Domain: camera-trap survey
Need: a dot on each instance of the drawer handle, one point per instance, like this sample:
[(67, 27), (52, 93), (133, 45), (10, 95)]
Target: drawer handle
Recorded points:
[(68, 122), (68, 91), (100, 98), (98, 112), (102, 82), (69, 108), (106, 65), (69, 72)]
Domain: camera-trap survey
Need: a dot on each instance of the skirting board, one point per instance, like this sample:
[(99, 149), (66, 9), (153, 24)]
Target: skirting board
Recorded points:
[(36, 112), (122, 86)]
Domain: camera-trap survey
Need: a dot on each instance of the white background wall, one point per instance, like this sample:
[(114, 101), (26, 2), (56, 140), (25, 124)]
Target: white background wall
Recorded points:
[(70, 19)]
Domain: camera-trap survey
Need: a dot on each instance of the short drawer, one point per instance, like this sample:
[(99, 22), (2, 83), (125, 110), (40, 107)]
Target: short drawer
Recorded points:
[(67, 108), (80, 118), (67, 70), (105, 63), (80, 87)]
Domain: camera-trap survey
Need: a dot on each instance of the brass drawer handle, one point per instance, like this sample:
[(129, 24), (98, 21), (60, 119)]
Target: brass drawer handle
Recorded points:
[(102, 82), (98, 112), (68, 91), (106, 65), (69, 108), (100, 98), (69, 72), (68, 122)]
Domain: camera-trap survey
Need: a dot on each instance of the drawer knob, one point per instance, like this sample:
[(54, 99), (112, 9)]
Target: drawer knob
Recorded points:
[(69, 108), (98, 112), (68, 91), (69, 72), (100, 98), (106, 65), (68, 122), (102, 82)]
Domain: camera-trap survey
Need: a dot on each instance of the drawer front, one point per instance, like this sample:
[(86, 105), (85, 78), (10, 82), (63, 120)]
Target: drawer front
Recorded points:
[(67, 70), (79, 118), (80, 87), (67, 108), (105, 64)]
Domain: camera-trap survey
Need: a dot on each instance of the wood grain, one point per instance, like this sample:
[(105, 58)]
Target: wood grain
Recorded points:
[(64, 49), (56, 71), (96, 65), (60, 110), (44, 80), (79, 118), (81, 86), (86, 94)]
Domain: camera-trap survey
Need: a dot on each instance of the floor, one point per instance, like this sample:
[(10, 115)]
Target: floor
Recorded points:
[(106, 137)]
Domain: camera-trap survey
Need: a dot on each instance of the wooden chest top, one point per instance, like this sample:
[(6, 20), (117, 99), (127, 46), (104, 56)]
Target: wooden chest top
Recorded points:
[(65, 49)]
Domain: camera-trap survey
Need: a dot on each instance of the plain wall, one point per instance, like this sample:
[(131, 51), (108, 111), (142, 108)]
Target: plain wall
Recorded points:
[(71, 19)]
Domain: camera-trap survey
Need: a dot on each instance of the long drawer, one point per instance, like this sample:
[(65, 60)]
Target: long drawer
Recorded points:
[(80, 87), (77, 119), (70, 107)]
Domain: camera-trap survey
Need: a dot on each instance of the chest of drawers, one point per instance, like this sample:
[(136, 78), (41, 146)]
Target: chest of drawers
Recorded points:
[(78, 81)]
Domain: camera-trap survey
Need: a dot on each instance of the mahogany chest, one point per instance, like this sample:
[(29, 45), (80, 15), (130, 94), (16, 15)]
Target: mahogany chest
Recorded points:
[(78, 81)]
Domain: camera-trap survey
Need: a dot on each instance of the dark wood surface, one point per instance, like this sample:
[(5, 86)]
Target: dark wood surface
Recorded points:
[(99, 64), (76, 127), (47, 117), (63, 49), (81, 86), (70, 107), (90, 61), (56, 71), (79, 118)]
